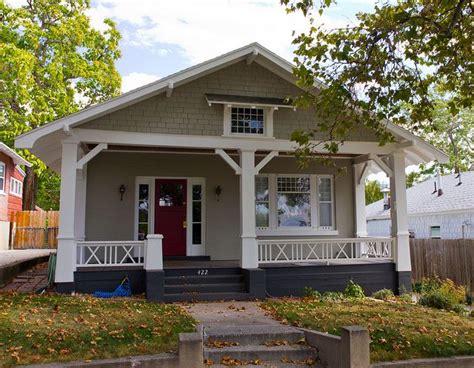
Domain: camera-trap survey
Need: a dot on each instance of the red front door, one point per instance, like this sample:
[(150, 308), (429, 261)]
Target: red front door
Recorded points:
[(170, 215)]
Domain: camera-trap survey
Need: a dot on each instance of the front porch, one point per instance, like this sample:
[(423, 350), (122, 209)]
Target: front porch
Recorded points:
[(267, 226), (285, 267)]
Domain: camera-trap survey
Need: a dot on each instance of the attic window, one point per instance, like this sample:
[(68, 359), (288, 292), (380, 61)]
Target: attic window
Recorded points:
[(247, 120)]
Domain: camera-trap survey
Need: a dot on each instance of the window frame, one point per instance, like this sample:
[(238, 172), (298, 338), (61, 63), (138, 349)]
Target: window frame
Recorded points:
[(19, 184), (267, 121), (315, 228), (3, 188), (431, 231)]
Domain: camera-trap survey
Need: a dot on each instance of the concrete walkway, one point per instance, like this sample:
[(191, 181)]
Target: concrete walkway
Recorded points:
[(10, 257), (231, 313)]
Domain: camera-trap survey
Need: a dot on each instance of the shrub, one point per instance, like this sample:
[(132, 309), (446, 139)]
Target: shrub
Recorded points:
[(435, 299), (309, 292), (354, 290), (441, 294), (427, 285), (332, 296), (406, 298), (384, 294)]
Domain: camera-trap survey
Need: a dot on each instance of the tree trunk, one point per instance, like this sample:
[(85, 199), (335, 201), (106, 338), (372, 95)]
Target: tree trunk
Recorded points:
[(30, 187)]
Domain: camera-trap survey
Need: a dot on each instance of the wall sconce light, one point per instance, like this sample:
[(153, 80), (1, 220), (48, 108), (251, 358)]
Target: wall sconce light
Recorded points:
[(218, 191), (122, 191)]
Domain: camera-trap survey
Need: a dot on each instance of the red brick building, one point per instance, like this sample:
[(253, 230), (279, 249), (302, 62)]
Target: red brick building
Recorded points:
[(11, 188)]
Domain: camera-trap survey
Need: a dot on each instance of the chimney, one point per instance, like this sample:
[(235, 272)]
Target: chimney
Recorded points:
[(386, 198), (440, 184)]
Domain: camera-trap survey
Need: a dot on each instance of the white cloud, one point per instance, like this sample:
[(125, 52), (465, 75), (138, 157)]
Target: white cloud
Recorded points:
[(207, 28), (135, 80)]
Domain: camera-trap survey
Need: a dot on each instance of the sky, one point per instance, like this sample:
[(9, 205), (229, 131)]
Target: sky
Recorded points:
[(162, 37)]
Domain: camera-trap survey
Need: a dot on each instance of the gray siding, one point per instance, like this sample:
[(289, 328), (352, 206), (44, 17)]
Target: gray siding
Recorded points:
[(187, 112), (451, 225), (108, 218)]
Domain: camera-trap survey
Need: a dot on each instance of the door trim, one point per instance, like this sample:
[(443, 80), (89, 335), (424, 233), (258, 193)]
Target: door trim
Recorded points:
[(191, 249)]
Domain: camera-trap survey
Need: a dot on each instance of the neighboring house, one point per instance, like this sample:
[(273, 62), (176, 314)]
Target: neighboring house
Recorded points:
[(11, 189), (445, 214), (204, 158)]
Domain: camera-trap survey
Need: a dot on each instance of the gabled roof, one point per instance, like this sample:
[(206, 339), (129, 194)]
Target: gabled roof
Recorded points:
[(17, 159), (51, 134), (421, 199)]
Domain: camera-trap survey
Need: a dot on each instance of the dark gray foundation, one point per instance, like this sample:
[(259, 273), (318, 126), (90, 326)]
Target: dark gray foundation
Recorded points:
[(65, 287), (155, 285), (255, 282), (404, 282), (89, 281)]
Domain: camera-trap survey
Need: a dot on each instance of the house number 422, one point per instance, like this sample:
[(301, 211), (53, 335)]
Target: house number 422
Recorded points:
[(203, 272)]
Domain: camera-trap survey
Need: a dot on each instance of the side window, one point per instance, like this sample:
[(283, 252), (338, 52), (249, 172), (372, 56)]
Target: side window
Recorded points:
[(435, 232), (143, 210), (2, 176)]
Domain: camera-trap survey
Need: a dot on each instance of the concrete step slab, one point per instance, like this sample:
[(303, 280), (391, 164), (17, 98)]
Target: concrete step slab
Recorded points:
[(170, 298), (279, 354), (254, 334), (204, 288)]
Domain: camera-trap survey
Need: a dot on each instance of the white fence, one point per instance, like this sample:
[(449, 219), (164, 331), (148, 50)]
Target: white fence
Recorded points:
[(110, 253), (324, 250)]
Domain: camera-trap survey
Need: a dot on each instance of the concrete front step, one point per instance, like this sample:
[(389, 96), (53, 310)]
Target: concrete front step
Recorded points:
[(253, 334), (170, 298), (204, 288), (191, 280), (246, 353)]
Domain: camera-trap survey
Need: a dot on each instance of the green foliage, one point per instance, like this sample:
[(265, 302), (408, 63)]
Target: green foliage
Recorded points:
[(441, 294), (49, 184), (354, 290), (332, 296), (373, 193), (412, 178), (53, 64), (406, 298), (309, 292), (388, 59), (383, 294)]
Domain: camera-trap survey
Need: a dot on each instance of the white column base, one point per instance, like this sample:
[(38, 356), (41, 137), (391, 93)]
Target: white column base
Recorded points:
[(402, 253), (249, 252), (66, 260)]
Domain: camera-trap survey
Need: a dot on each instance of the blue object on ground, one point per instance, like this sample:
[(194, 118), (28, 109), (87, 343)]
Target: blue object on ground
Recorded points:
[(122, 290)]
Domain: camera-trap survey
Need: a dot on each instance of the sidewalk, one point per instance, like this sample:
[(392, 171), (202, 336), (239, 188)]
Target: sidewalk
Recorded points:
[(231, 313), (10, 257)]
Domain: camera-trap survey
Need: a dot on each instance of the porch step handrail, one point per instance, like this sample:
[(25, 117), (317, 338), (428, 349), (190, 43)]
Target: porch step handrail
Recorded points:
[(109, 253), (317, 250)]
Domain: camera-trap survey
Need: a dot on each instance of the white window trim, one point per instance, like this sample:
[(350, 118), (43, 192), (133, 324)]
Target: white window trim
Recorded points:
[(315, 229), (191, 249), (2, 190), (19, 184), (267, 121), (431, 232)]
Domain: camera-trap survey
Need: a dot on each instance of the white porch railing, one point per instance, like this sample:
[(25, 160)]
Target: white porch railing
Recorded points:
[(109, 253), (325, 250)]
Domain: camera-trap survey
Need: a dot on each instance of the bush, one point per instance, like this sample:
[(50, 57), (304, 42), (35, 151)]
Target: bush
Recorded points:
[(309, 292), (332, 296), (406, 298), (384, 294), (435, 299), (441, 294), (354, 290)]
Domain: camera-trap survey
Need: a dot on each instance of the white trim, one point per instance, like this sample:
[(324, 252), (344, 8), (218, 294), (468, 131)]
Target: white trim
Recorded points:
[(19, 184), (315, 228), (17, 159), (191, 249), (265, 161), (234, 165), (90, 155)]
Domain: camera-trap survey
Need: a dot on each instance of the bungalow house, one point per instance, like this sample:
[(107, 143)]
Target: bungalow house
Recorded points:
[(11, 189), (188, 186)]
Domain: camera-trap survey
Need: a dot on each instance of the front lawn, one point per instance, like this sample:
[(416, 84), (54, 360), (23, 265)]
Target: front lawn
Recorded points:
[(53, 328), (398, 330)]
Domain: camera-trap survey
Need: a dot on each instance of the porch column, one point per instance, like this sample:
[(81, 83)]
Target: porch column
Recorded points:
[(399, 218), (359, 200), (80, 215), (66, 253), (249, 258)]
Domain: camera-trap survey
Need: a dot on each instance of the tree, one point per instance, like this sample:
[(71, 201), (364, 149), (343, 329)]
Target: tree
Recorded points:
[(412, 179), (373, 193), (392, 57), (53, 63)]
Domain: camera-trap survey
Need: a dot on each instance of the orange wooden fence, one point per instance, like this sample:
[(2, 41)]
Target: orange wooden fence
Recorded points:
[(34, 229)]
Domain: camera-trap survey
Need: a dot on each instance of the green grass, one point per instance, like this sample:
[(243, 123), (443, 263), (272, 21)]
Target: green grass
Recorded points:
[(54, 328), (397, 330)]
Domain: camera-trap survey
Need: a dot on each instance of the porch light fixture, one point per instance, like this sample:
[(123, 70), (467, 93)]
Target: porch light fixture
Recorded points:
[(122, 191), (218, 191)]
